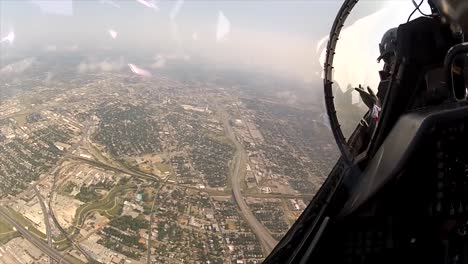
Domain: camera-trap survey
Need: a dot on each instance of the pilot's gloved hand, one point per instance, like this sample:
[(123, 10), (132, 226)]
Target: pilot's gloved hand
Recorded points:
[(369, 97)]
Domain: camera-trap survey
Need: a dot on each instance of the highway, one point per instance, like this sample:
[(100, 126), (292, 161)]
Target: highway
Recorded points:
[(240, 161), (45, 212), (86, 134), (41, 245), (48, 249)]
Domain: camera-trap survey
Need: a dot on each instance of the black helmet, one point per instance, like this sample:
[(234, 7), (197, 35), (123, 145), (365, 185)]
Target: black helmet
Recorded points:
[(388, 45)]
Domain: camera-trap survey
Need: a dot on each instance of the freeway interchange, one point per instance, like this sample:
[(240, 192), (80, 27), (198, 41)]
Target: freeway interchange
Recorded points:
[(39, 243)]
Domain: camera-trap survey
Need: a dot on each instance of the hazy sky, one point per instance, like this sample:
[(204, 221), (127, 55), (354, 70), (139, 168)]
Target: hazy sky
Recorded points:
[(277, 35)]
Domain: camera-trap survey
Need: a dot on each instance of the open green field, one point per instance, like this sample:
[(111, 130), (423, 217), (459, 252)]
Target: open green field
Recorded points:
[(108, 203), (62, 245), (5, 227), (4, 238), (221, 138), (6, 232), (73, 260), (25, 222), (20, 118), (163, 167), (116, 209)]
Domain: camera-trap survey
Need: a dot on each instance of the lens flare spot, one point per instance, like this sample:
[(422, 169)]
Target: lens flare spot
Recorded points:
[(175, 9), (63, 7), (110, 2), (10, 37), (113, 33), (149, 3), (223, 28), (139, 71)]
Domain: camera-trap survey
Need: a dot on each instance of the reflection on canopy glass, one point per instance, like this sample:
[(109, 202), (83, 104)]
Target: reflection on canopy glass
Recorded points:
[(359, 58)]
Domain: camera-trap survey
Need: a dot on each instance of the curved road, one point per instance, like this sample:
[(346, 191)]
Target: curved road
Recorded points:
[(86, 132), (46, 219), (240, 161)]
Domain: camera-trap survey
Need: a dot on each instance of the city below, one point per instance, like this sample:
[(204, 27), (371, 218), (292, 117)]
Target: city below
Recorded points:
[(112, 167)]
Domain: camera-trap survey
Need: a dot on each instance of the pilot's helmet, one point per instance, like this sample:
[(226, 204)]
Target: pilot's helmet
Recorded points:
[(456, 11), (388, 45)]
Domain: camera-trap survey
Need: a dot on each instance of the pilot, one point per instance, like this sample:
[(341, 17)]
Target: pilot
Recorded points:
[(387, 47)]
